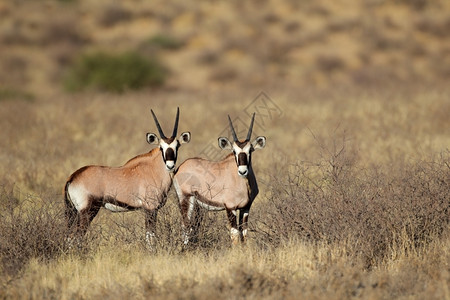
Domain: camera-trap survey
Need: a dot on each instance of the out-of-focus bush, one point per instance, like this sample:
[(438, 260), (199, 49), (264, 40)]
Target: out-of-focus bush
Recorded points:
[(165, 41), (14, 94), (115, 73)]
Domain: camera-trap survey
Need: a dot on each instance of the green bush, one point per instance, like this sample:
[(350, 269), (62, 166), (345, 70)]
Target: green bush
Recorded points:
[(15, 94), (165, 42), (114, 73)]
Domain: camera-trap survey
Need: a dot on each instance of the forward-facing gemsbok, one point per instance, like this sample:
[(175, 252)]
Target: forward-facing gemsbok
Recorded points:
[(142, 183), (229, 184)]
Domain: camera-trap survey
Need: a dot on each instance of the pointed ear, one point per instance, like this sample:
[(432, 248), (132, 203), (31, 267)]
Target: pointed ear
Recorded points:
[(185, 137), (152, 138), (225, 144), (259, 142)]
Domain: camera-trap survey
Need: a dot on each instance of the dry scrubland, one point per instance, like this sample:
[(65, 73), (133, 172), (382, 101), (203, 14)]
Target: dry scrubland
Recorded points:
[(354, 180), (362, 213)]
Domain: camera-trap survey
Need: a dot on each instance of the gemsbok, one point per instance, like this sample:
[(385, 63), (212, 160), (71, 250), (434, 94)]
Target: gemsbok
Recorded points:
[(142, 183), (229, 184)]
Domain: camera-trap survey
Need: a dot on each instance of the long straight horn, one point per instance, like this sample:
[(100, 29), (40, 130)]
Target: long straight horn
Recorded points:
[(175, 127), (232, 129), (249, 134), (161, 133)]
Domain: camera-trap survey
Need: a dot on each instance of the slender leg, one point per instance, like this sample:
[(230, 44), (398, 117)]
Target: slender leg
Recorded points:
[(72, 216), (74, 221), (196, 222), (243, 222), (235, 234), (83, 220), (187, 206), (150, 228)]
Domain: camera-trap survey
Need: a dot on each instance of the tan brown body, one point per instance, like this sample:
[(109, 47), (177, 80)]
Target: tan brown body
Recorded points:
[(142, 183), (229, 184), (216, 185)]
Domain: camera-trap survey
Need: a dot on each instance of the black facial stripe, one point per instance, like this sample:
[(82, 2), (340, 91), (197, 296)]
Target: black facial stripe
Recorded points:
[(242, 159), (170, 154)]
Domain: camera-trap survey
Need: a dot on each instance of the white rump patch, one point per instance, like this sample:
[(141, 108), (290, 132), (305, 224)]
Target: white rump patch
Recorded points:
[(78, 195)]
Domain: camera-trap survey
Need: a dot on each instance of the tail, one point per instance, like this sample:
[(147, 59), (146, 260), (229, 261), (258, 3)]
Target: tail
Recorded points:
[(71, 212)]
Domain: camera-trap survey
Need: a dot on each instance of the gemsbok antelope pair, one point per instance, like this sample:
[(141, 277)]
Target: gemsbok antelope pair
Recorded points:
[(145, 180)]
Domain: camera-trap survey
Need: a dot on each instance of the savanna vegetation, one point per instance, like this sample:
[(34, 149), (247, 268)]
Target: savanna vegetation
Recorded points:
[(354, 180)]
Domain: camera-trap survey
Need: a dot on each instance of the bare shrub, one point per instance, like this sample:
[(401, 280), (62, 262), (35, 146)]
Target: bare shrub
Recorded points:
[(376, 210), (128, 229), (210, 230), (30, 227)]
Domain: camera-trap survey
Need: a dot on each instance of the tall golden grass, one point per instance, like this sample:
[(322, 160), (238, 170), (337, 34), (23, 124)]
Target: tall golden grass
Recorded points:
[(292, 270)]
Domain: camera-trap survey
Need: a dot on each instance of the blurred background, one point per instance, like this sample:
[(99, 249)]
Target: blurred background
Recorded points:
[(52, 47)]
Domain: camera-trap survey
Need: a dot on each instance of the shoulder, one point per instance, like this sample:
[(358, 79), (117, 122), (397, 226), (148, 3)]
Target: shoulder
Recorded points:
[(139, 157)]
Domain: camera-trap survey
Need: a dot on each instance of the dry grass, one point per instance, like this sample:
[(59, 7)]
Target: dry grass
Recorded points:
[(354, 181), (290, 270), (374, 210), (344, 211)]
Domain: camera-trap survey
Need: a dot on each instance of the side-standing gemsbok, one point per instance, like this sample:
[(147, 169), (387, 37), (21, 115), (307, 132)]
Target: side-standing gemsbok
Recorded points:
[(142, 183), (229, 184)]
